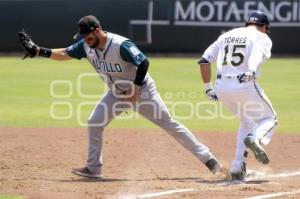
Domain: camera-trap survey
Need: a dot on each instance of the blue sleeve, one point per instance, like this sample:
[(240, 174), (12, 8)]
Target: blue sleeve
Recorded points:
[(129, 52), (76, 50)]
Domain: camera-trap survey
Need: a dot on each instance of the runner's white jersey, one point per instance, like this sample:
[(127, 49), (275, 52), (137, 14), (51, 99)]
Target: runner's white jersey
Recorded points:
[(239, 50)]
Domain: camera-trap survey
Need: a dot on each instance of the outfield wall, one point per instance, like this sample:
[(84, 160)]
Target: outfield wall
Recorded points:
[(159, 26)]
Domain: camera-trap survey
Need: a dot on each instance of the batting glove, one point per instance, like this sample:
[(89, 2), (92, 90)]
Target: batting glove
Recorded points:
[(211, 94), (210, 91), (246, 77)]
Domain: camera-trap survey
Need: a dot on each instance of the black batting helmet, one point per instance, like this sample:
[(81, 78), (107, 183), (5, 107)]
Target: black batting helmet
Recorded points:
[(258, 18)]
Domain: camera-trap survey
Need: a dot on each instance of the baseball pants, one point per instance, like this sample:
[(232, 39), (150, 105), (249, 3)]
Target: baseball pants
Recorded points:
[(253, 108), (149, 105)]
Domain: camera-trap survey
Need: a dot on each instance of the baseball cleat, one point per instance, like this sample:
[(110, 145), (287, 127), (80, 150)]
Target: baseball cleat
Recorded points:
[(241, 173), (217, 169), (85, 172), (238, 175), (259, 152), (213, 165)]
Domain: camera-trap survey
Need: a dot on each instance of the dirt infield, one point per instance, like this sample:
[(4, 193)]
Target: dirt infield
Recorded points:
[(36, 163)]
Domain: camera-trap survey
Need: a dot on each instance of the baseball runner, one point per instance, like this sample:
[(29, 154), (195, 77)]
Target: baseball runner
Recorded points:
[(239, 54), (123, 68)]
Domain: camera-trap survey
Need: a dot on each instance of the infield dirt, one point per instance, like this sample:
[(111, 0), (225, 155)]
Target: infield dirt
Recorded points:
[(36, 163)]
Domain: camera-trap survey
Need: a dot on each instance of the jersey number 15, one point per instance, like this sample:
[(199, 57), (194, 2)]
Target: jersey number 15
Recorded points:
[(239, 55)]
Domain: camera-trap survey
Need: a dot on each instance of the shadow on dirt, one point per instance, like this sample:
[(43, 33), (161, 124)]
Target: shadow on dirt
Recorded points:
[(130, 180), (79, 179), (112, 180), (232, 182)]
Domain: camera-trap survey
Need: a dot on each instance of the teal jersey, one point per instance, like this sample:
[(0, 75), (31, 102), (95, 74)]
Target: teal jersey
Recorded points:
[(76, 50), (117, 62), (128, 51)]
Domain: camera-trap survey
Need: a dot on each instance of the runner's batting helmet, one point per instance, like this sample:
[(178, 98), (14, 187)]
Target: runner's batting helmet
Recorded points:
[(258, 18)]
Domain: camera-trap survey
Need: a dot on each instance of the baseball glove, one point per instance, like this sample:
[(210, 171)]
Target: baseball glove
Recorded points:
[(30, 48)]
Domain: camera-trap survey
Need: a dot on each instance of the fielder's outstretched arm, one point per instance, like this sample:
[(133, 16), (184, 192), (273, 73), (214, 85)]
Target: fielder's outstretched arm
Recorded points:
[(59, 54), (31, 49)]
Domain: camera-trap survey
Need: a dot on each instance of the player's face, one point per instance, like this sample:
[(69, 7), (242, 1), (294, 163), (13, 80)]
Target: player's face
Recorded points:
[(92, 40), (263, 29), (267, 29)]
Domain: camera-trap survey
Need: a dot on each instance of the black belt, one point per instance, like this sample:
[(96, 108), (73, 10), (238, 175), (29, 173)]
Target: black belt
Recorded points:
[(229, 77), (219, 76)]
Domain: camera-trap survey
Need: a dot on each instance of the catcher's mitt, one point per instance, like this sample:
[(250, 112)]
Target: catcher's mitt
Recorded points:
[(30, 48)]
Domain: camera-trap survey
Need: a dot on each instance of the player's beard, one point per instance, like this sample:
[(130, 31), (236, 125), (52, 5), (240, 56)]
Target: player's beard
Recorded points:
[(96, 43)]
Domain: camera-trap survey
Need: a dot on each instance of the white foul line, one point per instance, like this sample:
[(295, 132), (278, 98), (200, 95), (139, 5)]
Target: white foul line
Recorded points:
[(288, 174), (284, 175), (275, 195), (260, 176), (157, 194)]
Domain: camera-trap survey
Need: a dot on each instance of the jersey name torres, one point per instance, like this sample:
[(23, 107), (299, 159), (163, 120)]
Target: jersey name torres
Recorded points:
[(117, 62), (239, 50)]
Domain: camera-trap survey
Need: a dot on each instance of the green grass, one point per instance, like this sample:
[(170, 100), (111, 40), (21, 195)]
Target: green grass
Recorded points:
[(10, 197), (25, 98)]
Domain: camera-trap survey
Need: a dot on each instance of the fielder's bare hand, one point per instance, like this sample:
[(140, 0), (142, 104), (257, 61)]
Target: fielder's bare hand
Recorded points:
[(135, 93)]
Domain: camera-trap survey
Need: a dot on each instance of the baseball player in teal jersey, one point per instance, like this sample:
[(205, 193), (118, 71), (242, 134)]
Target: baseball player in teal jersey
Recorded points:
[(123, 68)]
